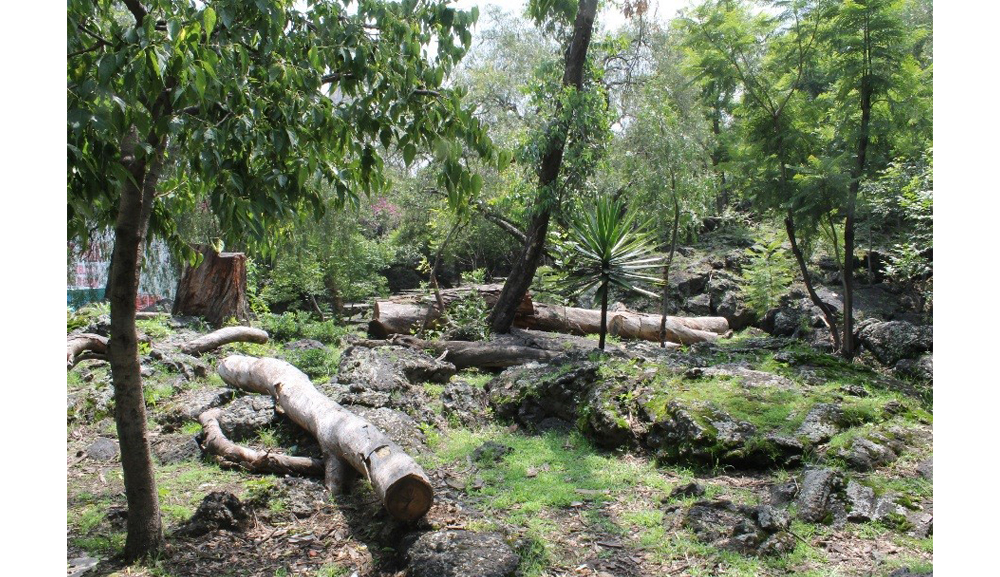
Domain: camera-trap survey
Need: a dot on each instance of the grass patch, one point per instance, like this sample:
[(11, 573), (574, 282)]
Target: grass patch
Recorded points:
[(156, 328)]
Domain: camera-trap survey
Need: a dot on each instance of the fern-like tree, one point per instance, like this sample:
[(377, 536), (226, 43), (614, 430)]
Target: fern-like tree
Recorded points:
[(607, 247)]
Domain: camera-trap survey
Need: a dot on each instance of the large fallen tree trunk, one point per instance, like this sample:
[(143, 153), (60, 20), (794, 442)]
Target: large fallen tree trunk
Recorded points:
[(478, 354), (404, 317), (216, 289), (625, 324), (348, 441), (216, 443), (216, 339), (406, 314), (78, 346)]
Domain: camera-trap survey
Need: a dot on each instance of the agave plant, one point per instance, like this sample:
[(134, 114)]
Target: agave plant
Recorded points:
[(607, 248)]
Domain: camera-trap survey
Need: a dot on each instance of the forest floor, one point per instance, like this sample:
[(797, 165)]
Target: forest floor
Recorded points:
[(563, 504)]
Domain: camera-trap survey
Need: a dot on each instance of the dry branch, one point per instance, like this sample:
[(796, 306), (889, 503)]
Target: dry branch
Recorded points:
[(79, 344), (348, 441), (216, 443), (216, 339)]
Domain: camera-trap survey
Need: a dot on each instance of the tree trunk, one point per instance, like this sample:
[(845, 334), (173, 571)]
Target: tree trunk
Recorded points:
[(624, 324), (216, 289), (82, 343), (406, 314), (670, 259), (392, 317), (144, 528), (438, 299), (828, 313), (224, 336), (348, 441), (502, 316), (604, 315), (481, 354), (852, 199)]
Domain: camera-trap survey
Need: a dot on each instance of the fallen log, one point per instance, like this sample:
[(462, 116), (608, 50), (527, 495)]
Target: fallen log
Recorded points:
[(216, 443), (79, 344), (406, 314), (629, 325), (216, 339), (478, 354), (348, 441)]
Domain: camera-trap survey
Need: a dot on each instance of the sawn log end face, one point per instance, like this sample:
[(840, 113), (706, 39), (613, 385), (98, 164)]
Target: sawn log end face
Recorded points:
[(409, 498)]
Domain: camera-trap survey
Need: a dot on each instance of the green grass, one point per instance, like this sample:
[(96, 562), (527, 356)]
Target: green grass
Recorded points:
[(475, 377), (155, 329)]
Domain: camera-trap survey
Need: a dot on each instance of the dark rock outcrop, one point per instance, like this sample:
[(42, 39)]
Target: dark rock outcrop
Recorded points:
[(894, 341), (749, 530), (218, 510), (451, 553)]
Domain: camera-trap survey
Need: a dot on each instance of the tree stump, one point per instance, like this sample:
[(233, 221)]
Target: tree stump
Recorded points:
[(216, 289)]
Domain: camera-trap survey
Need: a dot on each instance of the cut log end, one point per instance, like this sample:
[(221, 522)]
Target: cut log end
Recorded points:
[(409, 498)]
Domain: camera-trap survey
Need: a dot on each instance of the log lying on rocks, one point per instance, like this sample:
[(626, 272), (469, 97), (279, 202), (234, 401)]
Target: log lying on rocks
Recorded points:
[(625, 324), (478, 354), (348, 441), (216, 443), (85, 346), (216, 339), (405, 314)]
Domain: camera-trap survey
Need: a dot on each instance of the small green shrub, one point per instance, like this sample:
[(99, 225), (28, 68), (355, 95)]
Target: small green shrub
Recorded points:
[(768, 273)]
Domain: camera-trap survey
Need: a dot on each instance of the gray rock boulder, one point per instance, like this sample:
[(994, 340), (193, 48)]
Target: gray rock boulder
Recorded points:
[(822, 422), (218, 510), (452, 553), (246, 416), (817, 487), (894, 341)]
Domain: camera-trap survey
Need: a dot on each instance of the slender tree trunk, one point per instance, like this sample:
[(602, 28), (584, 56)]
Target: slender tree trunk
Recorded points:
[(670, 259), (434, 282), (828, 313), (604, 314), (502, 316), (852, 198), (144, 528)]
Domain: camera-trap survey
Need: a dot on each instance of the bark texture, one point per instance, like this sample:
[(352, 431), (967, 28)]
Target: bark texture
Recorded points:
[(216, 443), (482, 354), (216, 289), (77, 345), (624, 324), (224, 336), (143, 525), (502, 316), (402, 318), (348, 441)]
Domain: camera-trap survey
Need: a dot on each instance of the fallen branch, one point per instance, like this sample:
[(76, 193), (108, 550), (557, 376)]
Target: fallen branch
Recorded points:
[(216, 443), (216, 339), (77, 345), (479, 354), (348, 441)]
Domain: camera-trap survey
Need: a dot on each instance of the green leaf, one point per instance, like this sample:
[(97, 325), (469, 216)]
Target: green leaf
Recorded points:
[(106, 68), (208, 18), (409, 151), (173, 27)]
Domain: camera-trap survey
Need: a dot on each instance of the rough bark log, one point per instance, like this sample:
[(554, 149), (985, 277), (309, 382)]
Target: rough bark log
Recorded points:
[(224, 336), (76, 345), (481, 354), (216, 443), (399, 482), (392, 317), (624, 324), (216, 289), (404, 315), (503, 315)]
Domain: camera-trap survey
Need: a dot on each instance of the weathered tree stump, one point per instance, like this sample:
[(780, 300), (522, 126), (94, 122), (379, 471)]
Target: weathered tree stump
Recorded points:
[(216, 289)]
